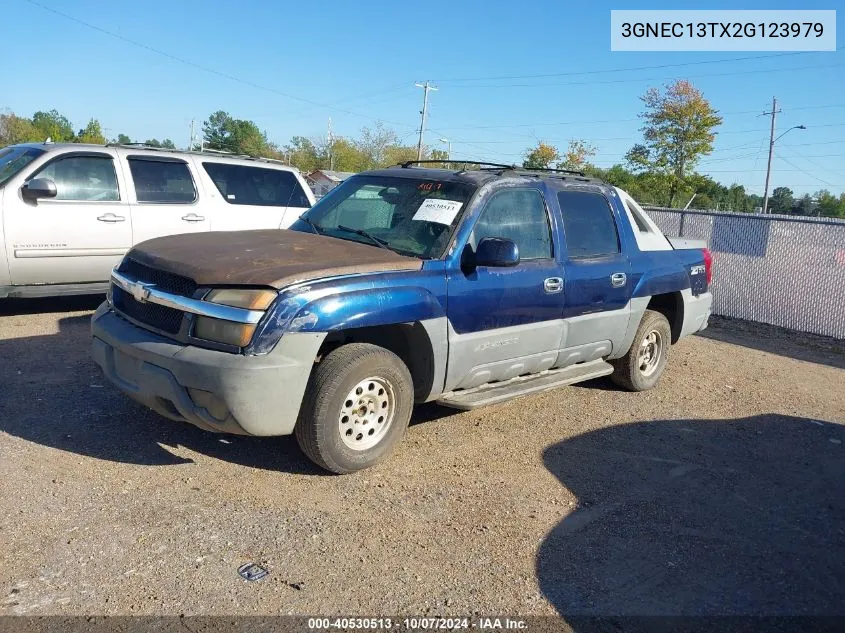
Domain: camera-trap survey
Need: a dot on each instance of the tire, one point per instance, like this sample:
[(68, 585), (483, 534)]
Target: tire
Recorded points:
[(638, 372), (368, 386)]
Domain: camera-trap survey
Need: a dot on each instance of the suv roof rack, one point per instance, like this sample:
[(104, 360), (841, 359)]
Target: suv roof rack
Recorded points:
[(488, 166), (552, 170), (408, 163), (205, 151)]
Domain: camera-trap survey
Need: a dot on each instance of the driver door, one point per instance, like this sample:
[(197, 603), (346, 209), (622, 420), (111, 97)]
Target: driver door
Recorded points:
[(506, 322), (79, 235)]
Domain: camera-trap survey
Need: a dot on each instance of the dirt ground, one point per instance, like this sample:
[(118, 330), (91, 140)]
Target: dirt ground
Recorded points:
[(722, 491)]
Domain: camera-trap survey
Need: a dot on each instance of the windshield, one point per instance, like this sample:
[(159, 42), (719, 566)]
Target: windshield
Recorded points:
[(13, 159), (411, 216)]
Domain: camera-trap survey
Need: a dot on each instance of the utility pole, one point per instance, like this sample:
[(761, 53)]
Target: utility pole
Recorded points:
[(773, 114), (331, 146), (191, 140), (426, 87)]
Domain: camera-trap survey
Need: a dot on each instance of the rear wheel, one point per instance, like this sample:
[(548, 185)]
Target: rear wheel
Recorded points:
[(356, 408), (640, 369)]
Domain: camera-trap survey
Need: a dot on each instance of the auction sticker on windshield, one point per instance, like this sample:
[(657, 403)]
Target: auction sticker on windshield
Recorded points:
[(440, 211)]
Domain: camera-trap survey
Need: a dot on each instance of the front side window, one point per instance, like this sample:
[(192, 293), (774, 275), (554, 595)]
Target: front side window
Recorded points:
[(588, 224), (162, 181), (412, 216), (82, 178), (13, 159), (518, 215), (258, 186)]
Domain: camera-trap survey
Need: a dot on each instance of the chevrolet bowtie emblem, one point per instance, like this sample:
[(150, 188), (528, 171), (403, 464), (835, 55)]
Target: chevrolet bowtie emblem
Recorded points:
[(141, 292)]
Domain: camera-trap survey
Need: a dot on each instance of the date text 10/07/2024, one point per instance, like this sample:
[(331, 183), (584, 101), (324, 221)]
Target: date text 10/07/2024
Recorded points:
[(418, 624)]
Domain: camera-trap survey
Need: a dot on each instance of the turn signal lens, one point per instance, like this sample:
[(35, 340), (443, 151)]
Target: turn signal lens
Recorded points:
[(241, 298), (220, 331)]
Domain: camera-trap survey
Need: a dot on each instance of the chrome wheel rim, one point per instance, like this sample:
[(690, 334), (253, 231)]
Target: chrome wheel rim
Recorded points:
[(367, 413), (650, 353)]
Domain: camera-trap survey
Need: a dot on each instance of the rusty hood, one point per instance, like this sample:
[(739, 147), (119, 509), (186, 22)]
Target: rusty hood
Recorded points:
[(273, 257)]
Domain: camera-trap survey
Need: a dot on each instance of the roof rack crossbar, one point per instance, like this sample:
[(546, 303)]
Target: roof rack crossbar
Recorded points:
[(553, 170), (408, 163)]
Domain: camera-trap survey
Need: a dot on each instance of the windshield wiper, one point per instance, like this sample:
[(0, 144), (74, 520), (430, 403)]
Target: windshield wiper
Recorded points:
[(375, 240)]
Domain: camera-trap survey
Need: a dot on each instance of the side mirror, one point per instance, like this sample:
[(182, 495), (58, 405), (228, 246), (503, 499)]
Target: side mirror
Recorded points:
[(38, 188), (496, 251)]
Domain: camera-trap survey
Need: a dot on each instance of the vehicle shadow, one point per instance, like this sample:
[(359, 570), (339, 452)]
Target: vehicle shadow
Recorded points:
[(812, 348), (55, 395), (699, 517), (75, 303)]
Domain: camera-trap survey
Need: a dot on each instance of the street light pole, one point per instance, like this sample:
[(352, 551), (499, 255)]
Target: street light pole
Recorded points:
[(449, 144), (772, 141), (426, 87)]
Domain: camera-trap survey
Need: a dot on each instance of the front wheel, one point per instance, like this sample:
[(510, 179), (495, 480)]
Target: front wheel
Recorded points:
[(356, 408), (642, 366)]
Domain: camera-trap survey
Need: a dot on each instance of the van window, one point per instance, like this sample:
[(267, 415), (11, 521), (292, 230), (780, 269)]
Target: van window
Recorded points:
[(82, 178), (588, 224), (162, 181), (244, 184)]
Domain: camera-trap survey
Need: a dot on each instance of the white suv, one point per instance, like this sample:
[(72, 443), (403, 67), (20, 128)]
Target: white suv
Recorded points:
[(69, 212)]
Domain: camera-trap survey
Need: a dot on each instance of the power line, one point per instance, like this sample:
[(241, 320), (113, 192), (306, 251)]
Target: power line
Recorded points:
[(821, 180), (620, 70), (645, 79), (206, 69)]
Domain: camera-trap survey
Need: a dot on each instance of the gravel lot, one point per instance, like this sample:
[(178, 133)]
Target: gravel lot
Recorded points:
[(721, 491)]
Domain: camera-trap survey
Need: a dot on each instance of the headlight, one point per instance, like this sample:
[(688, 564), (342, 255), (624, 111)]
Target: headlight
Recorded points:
[(228, 332), (231, 332), (240, 298)]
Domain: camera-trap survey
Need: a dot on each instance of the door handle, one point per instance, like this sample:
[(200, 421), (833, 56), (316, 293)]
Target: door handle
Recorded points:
[(553, 285), (193, 217), (111, 217), (617, 280)]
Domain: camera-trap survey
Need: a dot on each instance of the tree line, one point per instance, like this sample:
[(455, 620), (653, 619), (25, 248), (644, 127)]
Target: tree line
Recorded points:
[(679, 128)]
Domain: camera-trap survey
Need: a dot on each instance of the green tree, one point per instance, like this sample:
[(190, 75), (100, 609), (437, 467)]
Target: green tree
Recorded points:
[(53, 125), (396, 154), (223, 132), (92, 133), (781, 200), (829, 205), (540, 157), (123, 139), (347, 156), (15, 129), (577, 155), (302, 153), (165, 144), (678, 131)]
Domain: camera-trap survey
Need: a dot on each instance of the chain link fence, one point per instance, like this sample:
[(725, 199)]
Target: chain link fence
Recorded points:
[(783, 270)]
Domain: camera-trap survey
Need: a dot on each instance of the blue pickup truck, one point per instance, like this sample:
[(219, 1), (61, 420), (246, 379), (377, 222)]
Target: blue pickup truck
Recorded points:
[(405, 285)]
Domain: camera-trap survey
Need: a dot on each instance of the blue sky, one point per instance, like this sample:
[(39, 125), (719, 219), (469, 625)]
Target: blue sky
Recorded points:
[(290, 66)]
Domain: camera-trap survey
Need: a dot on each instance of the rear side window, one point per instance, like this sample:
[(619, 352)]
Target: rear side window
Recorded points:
[(244, 184), (588, 224), (162, 181)]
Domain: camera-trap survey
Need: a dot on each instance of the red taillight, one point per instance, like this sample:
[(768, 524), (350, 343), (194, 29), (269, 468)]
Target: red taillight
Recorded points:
[(708, 264)]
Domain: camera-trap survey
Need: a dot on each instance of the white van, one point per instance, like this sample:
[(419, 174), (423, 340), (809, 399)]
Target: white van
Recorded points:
[(69, 211)]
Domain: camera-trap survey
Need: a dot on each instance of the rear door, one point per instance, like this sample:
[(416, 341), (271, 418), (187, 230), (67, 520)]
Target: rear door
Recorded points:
[(79, 235), (597, 285), (254, 197), (165, 197)]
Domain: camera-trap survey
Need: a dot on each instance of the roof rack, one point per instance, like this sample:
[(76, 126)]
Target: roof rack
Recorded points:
[(408, 163), (205, 152), (553, 170)]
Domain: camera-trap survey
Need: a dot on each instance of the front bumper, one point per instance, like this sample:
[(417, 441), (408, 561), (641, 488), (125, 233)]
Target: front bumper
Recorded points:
[(216, 391)]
